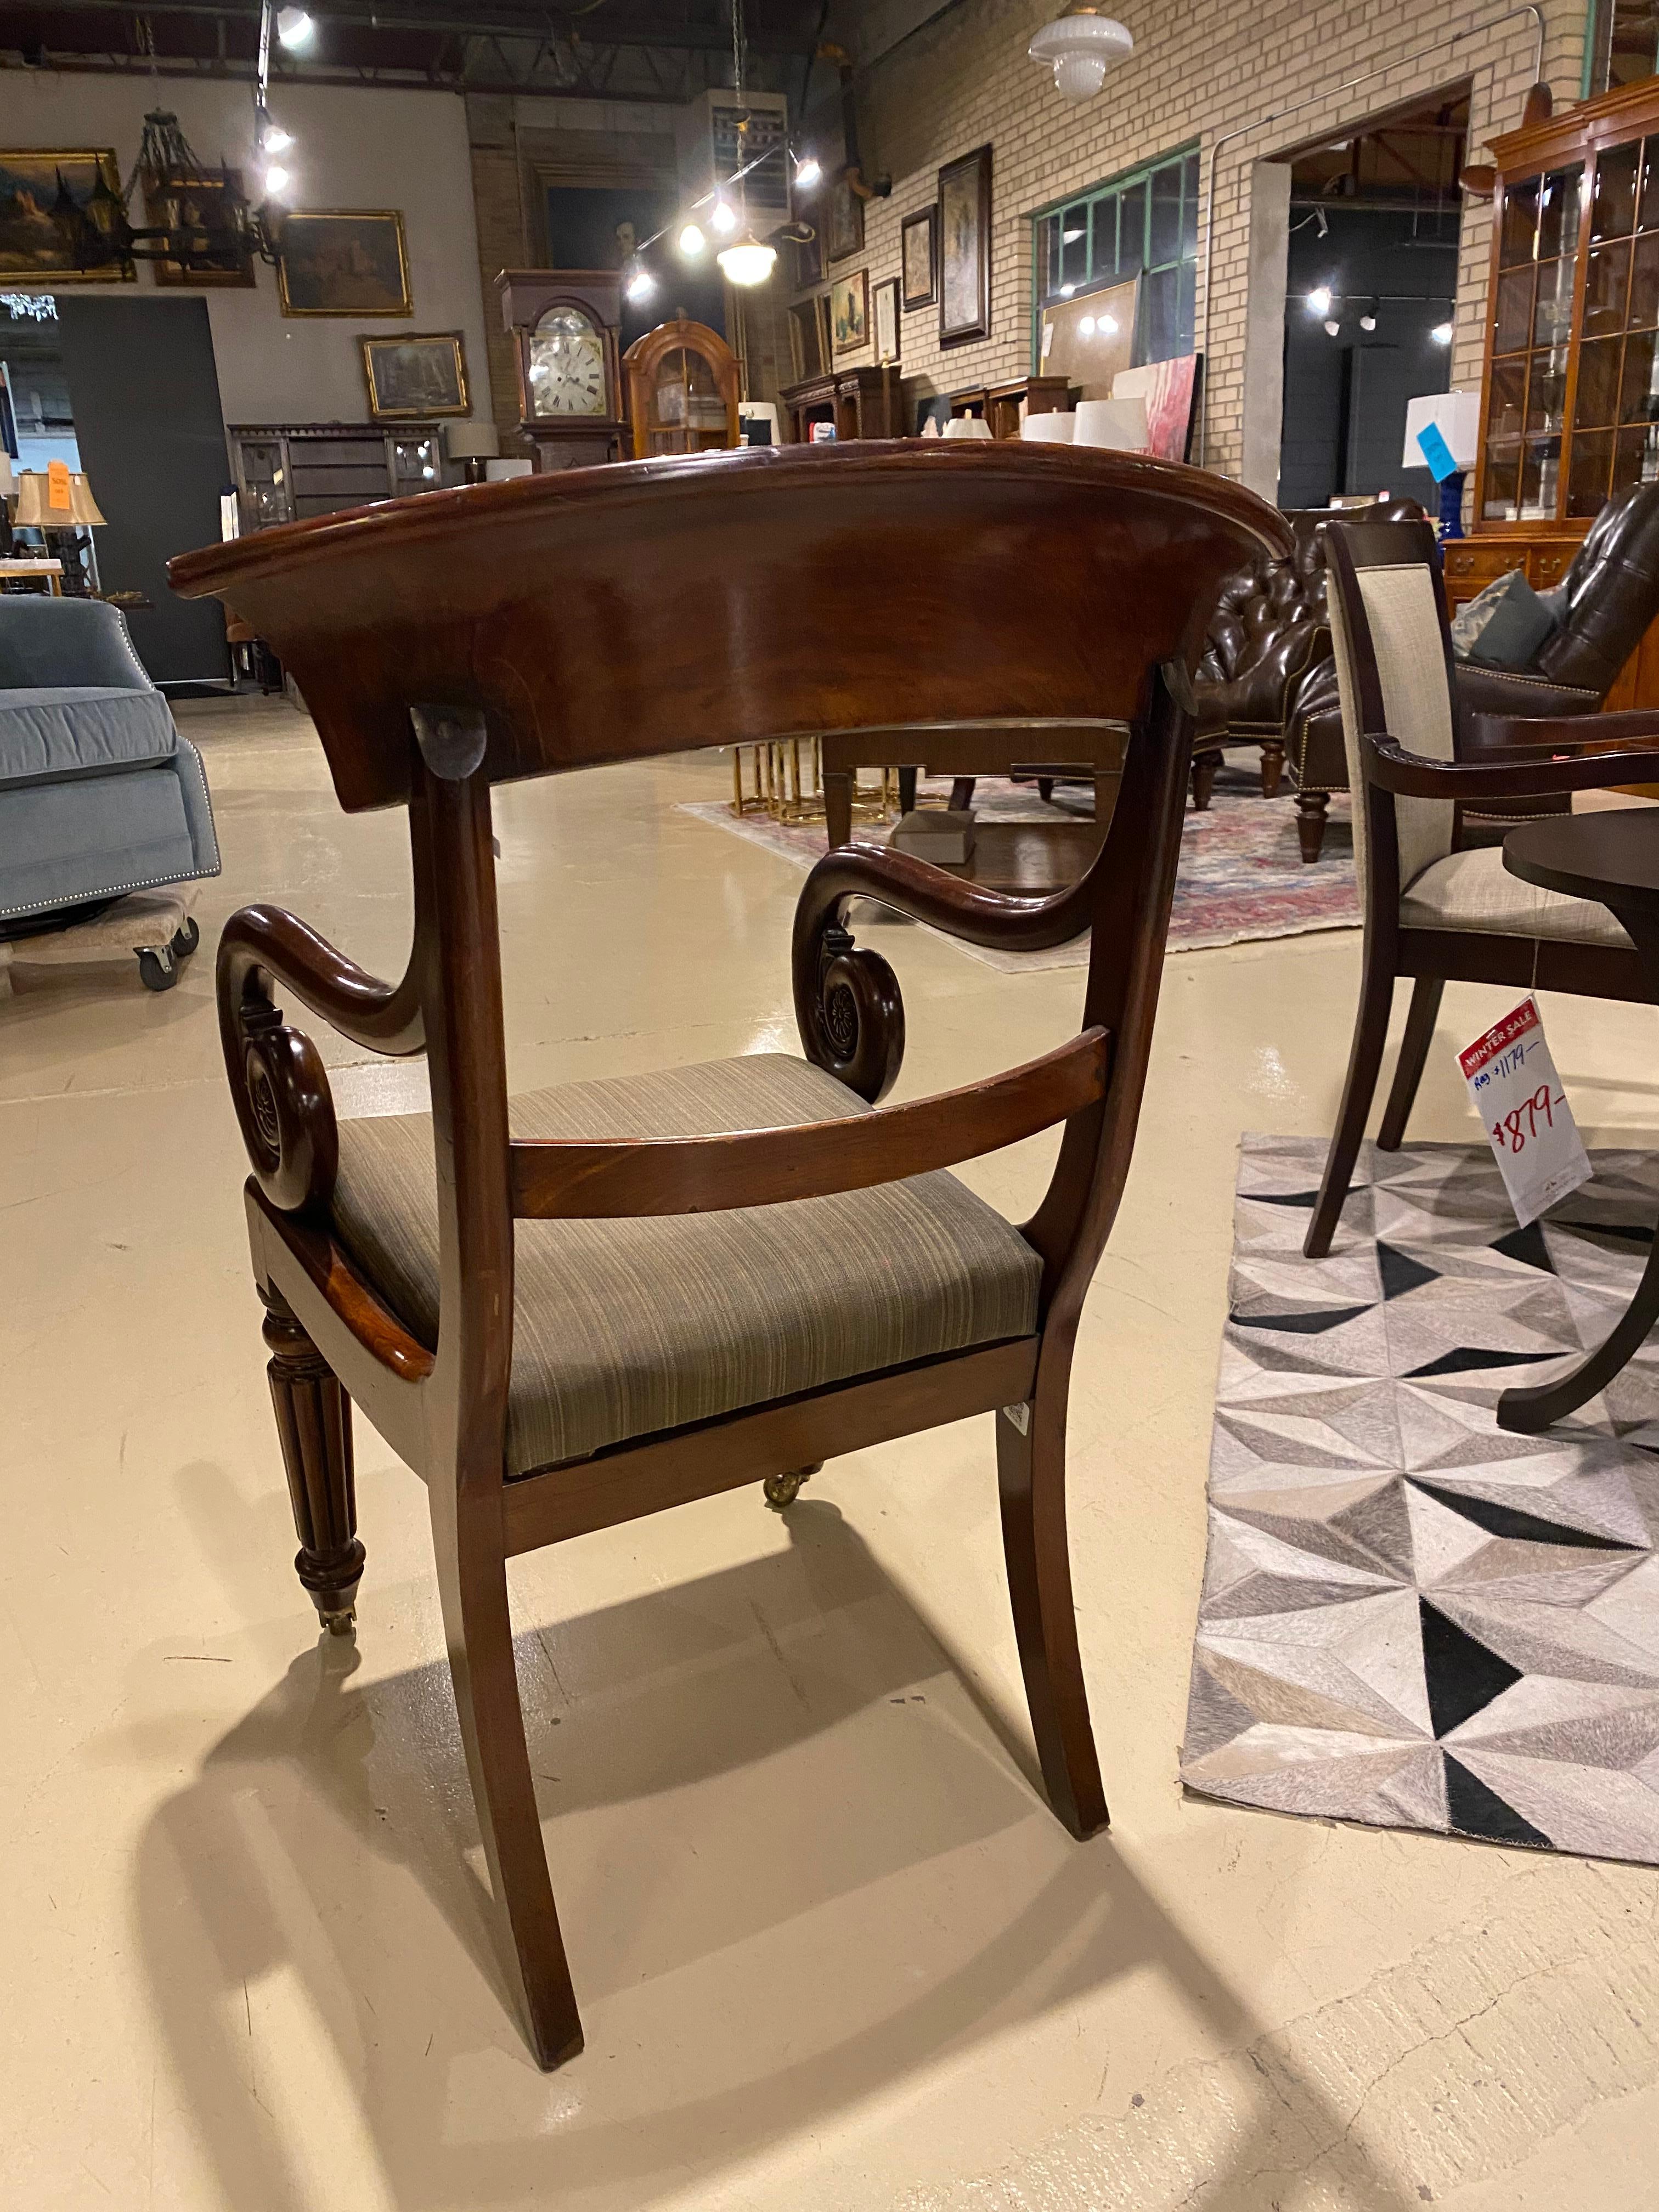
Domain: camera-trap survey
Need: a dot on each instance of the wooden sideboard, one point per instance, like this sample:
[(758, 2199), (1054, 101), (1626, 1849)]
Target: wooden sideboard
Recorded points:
[(1005, 405), (861, 403)]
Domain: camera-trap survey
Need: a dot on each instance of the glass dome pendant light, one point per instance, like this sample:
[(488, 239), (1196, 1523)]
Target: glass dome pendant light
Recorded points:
[(1080, 46), (747, 261)]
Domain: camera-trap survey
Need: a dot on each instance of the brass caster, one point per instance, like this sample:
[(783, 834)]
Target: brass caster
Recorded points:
[(341, 1624), (782, 1490)]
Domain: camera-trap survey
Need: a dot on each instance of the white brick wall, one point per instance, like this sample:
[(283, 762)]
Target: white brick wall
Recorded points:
[(1202, 70)]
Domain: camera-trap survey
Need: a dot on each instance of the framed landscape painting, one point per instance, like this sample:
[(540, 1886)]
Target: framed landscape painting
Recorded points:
[(343, 261), (919, 257), (410, 376), (43, 198), (846, 223), (964, 249), (849, 312)]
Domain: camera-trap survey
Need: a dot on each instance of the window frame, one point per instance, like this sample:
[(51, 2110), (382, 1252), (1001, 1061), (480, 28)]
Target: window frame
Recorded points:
[(1111, 191)]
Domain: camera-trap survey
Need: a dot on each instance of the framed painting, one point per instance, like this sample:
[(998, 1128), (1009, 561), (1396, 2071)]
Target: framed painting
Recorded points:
[(884, 312), (846, 221), (46, 229), (408, 376), (808, 261), (806, 339), (919, 257), (964, 249), (849, 313), (343, 261)]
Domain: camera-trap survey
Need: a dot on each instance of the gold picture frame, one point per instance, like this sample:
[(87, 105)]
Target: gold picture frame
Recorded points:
[(32, 249), (849, 313), (343, 261), (412, 378)]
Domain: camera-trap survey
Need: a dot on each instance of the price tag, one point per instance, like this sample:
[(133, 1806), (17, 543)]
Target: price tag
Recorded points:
[(1437, 453), (1518, 1096), (57, 486)]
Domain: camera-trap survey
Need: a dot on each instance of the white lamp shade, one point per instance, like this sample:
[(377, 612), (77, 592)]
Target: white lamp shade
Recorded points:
[(1079, 49), (472, 441), (1117, 422), (967, 426), (35, 512), (1054, 429)]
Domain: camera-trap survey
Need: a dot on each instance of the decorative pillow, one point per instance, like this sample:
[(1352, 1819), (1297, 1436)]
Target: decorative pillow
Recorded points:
[(1504, 627)]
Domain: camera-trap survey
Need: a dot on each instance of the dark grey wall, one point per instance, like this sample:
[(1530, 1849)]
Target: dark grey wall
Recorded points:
[(145, 397), (1345, 397)]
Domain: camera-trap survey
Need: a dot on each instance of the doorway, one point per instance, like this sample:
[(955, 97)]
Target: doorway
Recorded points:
[(1375, 220)]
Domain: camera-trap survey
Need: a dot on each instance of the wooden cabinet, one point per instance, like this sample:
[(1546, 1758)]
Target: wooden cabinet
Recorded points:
[(1570, 394), (861, 403), (287, 471), (1004, 406), (681, 390)]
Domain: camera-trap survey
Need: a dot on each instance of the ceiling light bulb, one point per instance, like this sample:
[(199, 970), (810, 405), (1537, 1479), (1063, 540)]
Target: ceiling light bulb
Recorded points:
[(1319, 300), (692, 240), (295, 28), (1442, 334), (273, 139), (807, 171), (640, 285), (1331, 329), (746, 261), (1080, 48), (722, 218), (276, 178)]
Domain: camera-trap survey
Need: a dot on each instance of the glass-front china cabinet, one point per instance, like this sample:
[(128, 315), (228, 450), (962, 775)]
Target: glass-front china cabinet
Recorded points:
[(1569, 415), (681, 390)]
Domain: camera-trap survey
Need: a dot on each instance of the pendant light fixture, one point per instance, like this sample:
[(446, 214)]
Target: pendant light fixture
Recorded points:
[(1080, 47), (747, 261)]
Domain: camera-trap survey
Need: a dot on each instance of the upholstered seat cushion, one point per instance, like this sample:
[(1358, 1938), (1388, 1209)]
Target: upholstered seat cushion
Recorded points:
[(623, 1328), (1474, 890), (80, 729)]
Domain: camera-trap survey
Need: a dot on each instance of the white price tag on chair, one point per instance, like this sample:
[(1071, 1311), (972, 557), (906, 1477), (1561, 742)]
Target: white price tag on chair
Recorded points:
[(1517, 1092)]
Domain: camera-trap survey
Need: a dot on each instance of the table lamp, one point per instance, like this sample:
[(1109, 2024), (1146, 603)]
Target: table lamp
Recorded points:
[(35, 511), (472, 443)]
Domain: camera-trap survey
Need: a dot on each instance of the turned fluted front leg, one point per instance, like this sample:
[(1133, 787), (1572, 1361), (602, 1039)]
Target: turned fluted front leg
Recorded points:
[(313, 1421)]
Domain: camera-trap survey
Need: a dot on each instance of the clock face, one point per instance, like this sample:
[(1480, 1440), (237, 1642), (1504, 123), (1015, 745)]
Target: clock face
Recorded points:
[(567, 366)]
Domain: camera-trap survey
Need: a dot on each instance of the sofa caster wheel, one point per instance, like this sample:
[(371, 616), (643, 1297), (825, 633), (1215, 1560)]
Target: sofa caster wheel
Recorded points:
[(157, 970), (782, 1490), (341, 1624), (185, 940)]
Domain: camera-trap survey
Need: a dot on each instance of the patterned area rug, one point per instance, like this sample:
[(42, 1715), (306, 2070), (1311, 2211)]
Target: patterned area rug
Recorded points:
[(1242, 873), (1410, 1618)]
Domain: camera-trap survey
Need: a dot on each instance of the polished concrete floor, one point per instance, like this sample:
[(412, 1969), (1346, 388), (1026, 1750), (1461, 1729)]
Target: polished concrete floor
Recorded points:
[(833, 1953)]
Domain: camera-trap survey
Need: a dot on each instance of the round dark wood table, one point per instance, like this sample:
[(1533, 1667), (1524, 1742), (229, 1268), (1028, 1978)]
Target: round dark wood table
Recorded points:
[(1612, 857)]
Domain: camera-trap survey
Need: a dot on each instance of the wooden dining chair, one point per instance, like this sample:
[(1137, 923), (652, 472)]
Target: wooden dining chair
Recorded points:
[(570, 1308), (1433, 911)]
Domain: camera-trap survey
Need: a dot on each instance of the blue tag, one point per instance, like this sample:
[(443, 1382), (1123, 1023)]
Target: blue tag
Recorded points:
[(1437, 453)]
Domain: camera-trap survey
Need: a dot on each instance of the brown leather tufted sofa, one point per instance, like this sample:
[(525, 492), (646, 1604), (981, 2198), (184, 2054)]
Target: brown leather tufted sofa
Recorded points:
[(1267, 633), (1603, 606)]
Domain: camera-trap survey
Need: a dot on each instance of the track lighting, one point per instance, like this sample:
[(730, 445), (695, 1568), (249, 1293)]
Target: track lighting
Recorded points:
[(295, 29), (1319, 300), (640, 284), (807, 171), (1442, 334), (691, 241), (1333, 329), (722, 217)]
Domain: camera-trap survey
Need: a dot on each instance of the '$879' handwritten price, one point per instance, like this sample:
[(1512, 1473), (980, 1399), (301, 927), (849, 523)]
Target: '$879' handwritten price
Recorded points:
[(1518, 1096)]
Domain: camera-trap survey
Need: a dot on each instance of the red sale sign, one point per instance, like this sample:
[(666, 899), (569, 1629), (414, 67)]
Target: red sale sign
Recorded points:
[(1516, 1090)]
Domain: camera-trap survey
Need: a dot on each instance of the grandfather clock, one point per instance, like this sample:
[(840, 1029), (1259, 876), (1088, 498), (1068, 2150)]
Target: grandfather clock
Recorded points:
[(564, 324)]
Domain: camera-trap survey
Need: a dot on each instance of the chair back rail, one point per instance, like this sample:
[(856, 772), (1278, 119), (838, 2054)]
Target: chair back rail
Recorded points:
[(571, 1179), (651, 607)]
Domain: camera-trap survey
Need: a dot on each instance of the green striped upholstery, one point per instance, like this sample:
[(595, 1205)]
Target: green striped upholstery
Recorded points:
[(623, 1328)]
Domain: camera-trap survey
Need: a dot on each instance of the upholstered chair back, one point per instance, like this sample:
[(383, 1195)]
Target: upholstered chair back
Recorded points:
[(1389, 634)]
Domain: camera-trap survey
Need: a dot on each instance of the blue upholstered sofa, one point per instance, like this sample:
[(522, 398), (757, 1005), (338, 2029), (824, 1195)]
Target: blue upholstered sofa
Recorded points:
[(98, 794)]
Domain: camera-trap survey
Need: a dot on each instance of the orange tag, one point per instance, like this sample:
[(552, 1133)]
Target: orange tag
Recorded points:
[(57, 485)]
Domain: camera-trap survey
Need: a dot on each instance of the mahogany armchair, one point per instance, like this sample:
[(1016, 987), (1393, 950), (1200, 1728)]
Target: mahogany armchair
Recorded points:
[(567, 1310), (1417, 756)]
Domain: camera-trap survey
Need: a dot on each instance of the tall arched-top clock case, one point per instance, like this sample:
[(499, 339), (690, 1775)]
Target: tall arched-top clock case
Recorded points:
[(564, 323)]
